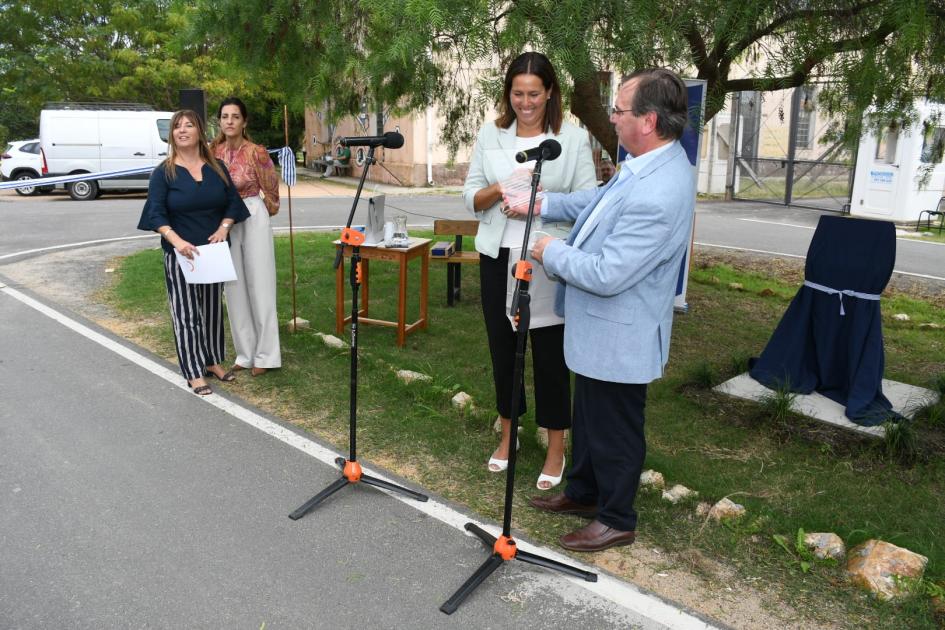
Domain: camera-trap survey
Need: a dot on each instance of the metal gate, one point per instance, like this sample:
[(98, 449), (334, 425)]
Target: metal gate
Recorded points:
[(780, 153)]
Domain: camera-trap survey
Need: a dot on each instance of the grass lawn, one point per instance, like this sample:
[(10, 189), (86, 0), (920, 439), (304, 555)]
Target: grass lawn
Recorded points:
[(791, 474)]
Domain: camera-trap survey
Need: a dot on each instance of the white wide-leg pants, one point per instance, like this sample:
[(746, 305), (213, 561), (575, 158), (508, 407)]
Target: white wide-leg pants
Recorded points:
[(251, 298)]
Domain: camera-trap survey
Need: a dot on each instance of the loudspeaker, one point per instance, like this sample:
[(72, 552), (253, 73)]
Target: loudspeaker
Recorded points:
[(195, 99)]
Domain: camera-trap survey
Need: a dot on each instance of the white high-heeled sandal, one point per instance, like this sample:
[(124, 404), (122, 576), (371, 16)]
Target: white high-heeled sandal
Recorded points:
[(554, 481), (501, 464)]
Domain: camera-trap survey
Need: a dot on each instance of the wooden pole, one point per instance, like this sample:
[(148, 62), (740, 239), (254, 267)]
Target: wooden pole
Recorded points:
[(295, 316)]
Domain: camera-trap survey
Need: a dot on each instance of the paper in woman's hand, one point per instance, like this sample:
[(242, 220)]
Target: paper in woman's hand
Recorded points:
[(214, 264)]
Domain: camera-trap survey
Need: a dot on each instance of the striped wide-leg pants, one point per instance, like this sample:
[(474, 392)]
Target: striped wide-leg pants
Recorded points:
[(197, 319)]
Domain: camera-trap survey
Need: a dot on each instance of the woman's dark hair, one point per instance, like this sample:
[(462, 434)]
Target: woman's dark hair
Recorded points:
[(539, 65), (662, 91), (202, 147), (231, 100)]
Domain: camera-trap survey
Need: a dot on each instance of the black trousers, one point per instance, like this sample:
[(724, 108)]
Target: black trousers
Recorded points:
[(608, 449), (551, 376), (197, 319)]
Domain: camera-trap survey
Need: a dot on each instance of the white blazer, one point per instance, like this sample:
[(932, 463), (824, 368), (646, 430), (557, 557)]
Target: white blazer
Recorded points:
[(492, 162)]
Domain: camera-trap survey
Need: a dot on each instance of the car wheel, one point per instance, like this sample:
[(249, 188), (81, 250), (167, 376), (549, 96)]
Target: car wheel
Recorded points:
[(22, 176), (83, 191)]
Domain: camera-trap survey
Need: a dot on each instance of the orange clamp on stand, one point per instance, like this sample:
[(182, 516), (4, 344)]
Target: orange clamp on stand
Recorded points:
[(352, 471), (350, 468), (503, 547)]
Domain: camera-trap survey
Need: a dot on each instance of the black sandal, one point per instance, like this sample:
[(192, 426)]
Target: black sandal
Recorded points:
[(228, 376), (203, 390)]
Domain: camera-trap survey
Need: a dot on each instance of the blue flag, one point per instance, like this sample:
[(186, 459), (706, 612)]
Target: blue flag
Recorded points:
[(287, 160)]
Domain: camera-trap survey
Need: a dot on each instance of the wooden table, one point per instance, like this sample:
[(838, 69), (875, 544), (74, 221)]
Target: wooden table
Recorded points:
[(419, 248)]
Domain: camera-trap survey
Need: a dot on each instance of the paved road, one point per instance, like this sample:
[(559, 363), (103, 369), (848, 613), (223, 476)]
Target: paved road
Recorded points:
[(126, 501)]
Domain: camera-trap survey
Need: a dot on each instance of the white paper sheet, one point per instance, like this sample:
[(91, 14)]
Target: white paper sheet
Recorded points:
[(214, 264)]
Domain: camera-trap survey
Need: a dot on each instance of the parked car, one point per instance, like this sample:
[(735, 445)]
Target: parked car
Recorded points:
[(100, 137), (21, 160)]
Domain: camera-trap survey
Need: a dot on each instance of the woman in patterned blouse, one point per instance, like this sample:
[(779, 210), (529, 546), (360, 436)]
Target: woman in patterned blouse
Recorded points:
[(251, 298)]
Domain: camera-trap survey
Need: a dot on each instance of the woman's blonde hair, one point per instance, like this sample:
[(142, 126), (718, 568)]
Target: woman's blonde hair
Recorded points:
[(202, 146)]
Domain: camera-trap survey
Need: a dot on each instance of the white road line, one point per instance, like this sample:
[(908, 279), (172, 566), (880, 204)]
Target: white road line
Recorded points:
[(610, 588), (803, 227), (770, 253), (809, 227)]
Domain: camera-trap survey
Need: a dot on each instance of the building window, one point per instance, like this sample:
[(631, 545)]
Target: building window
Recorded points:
[(933, 145), (886, 144), (806, 118)]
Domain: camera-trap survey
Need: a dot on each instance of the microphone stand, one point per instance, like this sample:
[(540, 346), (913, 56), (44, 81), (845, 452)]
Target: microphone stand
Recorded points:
[(351, 469), (504, 547)]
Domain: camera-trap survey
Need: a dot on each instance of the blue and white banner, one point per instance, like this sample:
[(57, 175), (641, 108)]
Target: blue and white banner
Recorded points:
[(68, 179), (287, 160)]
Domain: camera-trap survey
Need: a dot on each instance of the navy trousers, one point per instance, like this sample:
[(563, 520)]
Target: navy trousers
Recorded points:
[(608, 449)]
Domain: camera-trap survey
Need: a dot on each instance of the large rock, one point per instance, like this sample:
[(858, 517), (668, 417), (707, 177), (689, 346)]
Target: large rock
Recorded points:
[(409, 376), (725, 509), (875, 564), (462, 400), (652, 479), (678, 493), (825, 545), (331, 341)]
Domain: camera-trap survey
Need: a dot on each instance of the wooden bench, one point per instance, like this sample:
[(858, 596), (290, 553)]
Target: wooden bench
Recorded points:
[(458, 258)]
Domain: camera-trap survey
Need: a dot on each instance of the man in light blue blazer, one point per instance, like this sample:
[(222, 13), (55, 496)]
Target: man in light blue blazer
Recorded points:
[(618, 272)]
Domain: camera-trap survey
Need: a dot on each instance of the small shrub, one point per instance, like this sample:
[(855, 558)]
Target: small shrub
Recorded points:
[(901, 441), (777, 404), (702, 375)]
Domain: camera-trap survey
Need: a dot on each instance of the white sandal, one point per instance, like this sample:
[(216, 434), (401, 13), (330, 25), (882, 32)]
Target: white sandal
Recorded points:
[(500, 465), (554, 481)]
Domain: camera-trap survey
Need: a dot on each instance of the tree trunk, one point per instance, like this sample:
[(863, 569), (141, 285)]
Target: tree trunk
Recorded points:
[(586, 105)]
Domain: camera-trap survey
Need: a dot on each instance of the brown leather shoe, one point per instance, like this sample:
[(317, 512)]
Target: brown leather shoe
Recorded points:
[(596, 537), (561, 504)]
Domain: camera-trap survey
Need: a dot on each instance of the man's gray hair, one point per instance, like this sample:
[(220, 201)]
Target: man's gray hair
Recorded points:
[(661, 91)]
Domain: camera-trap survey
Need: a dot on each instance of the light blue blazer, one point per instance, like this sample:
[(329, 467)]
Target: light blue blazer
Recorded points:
[(492, 162), (616, 287)]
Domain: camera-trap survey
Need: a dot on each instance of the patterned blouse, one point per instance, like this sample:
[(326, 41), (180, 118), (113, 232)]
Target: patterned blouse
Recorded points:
[(252, 171)]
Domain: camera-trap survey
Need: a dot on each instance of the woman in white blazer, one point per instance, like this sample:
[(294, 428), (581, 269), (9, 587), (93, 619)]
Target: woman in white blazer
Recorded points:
[(530, 112)]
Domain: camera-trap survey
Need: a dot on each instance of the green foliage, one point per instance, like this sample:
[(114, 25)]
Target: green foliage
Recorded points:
[(408, 54), (703, 375), (777, 405), (106, 50), (800, 554), (900, 441)]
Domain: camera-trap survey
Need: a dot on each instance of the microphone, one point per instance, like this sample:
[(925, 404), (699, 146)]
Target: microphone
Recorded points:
[(547, 150), (390, 140)]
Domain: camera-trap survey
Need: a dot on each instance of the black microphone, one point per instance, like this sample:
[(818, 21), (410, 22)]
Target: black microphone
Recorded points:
[(547, 150), (390, 140)]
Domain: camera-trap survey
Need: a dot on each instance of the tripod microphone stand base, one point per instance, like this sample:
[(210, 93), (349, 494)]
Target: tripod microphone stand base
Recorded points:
[(503, 549), (351, 473)]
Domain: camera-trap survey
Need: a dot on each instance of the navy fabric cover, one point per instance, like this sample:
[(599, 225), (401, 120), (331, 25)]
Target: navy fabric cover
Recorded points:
[(814, 347)]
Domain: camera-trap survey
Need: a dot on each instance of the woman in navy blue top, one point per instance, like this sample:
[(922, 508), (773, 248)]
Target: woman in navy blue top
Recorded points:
[(191, 202)]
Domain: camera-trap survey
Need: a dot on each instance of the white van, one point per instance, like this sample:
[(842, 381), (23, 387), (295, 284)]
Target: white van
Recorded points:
[(102, 137)]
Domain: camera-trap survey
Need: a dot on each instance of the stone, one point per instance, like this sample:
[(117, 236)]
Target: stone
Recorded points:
[(826, 545), (462, 400), (652, 479), (873, 565), (931, 325), (541, 434), (736, 286), (901, 317), (766, 292), (298, 324), (726, 509), (331, 341), (409, 376), (703, 508), (678, 493)]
